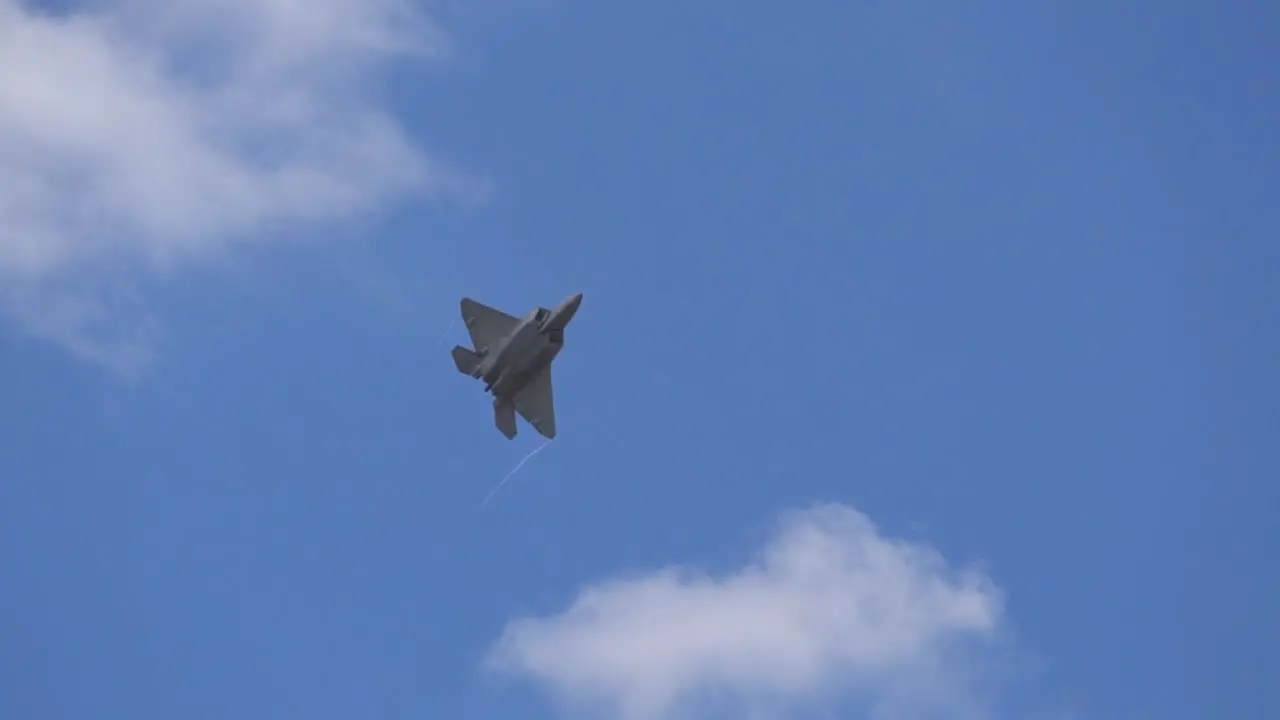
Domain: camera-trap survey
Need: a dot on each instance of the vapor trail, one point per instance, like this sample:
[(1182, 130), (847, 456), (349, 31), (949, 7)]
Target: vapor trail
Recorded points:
[(446, 332), (514, 470)]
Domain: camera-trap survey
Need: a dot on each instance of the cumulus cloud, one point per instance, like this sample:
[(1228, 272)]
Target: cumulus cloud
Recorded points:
[(138, 136), (831, 611)]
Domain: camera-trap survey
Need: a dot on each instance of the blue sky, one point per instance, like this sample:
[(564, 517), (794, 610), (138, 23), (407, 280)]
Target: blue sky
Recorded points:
[(936, 344)]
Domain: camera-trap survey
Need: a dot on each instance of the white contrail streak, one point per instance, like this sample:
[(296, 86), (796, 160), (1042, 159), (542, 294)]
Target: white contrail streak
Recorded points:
[(445, 336), (514, 470)]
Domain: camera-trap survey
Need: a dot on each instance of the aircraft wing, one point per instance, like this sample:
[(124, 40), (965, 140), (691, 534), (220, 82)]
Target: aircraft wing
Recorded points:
[(486, 325), (536, 404)]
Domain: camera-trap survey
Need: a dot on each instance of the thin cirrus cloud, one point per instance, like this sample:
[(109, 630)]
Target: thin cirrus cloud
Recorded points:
[(831, 612), (138, 137)]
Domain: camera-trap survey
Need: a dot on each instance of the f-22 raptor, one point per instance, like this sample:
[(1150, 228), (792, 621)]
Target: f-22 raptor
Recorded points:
[(513, 356)]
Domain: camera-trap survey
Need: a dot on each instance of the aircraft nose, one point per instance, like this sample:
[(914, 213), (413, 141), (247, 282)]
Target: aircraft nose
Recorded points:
[(565, 311)]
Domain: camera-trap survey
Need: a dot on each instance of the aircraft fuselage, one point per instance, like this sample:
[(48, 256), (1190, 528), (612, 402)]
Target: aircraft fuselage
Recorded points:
[(527, 351), (513, 356)]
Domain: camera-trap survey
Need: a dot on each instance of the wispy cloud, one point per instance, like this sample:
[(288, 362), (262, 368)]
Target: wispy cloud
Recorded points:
[(832, 612), (139, 136)]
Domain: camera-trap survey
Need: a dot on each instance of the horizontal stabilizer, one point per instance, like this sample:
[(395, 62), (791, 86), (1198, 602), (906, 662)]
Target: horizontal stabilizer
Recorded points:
[(504, 416), (468, 362)]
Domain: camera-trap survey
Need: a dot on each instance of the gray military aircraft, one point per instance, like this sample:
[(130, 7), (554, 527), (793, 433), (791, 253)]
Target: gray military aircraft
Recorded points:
[(513, 356)]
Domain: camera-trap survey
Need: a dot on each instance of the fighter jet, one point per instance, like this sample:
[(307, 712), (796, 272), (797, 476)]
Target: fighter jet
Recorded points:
[(513, 357)]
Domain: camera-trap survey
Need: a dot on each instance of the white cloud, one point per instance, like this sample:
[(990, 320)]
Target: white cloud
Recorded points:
[(138, 136), (831, 611)]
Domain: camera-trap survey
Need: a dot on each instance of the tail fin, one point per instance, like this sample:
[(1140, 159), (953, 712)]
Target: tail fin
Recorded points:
[(504, 416), (468, 362)]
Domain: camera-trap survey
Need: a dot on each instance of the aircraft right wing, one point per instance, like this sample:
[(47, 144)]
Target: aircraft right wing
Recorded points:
[(536, 404), (486, 325)]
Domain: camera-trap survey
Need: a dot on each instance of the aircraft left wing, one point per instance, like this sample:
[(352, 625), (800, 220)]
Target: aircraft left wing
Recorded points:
[(536, 404), (486, 325)]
